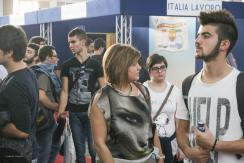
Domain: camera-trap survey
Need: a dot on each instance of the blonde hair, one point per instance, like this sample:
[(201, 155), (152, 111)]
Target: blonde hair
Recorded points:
[(116, 62)]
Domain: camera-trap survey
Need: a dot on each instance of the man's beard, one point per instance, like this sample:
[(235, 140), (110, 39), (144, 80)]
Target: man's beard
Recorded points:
[(29, 61), (212, 55)]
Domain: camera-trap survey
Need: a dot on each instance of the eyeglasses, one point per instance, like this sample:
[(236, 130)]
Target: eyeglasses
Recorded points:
[(159, 69)]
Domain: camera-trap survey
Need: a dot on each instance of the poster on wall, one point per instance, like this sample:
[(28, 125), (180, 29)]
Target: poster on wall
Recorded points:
[(174, 37), (170, 34)]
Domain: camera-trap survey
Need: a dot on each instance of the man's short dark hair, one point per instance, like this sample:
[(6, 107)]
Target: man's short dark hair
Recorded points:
[(88, 42), (13, 38), (37, 40), (77, 32), (45, 51), (35, 47), (225, 23), (99, 43)]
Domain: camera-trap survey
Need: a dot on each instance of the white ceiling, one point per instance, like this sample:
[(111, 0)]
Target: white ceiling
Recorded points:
[(55, 0)]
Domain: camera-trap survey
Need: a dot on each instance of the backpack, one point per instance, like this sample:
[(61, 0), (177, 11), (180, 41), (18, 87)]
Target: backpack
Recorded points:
[(186, 85), (56, 88), (45, 116)]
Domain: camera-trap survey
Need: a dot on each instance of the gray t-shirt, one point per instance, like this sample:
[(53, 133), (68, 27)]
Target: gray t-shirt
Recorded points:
[(45, 85)]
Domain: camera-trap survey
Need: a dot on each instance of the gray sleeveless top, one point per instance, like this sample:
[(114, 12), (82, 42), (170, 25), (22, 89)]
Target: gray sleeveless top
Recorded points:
[(128, 123)]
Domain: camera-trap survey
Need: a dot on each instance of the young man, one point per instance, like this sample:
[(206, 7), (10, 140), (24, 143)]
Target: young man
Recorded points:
[(99, 48), (18, 99), (49, 89), (90, 46), (38, 40), (79, 75), (212, 96)]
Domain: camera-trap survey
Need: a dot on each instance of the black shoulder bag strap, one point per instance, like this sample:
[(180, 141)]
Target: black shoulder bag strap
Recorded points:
[(164, 102), (144, 92), (75, 81)]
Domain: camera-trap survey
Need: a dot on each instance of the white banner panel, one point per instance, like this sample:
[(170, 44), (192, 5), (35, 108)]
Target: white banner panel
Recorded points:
[(73, 11), (17, 19), (191, 7)]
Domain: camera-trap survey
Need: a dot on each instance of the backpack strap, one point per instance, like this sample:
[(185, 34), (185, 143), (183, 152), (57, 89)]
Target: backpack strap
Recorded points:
[(38, 71), (240, 95), (186, 85), (240, 102)]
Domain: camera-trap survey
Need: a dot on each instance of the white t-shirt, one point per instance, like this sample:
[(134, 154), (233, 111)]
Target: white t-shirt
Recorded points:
[(165, 121), (3, 72), (216, 105)]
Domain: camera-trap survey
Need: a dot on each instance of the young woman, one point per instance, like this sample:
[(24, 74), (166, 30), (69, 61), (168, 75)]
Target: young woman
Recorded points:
[(159, 87), (120, 116)]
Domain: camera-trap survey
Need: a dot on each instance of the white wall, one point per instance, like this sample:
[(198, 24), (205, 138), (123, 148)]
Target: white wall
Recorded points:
[(1, 7), (7, 7)]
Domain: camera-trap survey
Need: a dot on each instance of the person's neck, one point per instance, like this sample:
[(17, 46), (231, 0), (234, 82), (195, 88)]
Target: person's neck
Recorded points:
[(82, 56), (157, 86), (125, 89), (31, 64), (216, 70), (97, 52), (14, 66)]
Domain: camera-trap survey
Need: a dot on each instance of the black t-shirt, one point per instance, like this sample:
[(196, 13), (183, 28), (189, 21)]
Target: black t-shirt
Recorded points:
[(19, 96), (87, 73), (99, 58)]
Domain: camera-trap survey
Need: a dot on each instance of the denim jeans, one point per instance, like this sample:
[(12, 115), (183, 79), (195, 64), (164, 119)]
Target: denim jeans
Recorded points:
[(55, 148), (44, 139), (81, 131)]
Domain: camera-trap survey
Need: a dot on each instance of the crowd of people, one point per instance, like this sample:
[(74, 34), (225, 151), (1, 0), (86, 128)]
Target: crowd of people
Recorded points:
[(98, 96)]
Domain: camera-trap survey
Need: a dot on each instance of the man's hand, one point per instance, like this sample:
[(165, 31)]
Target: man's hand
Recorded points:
[(205, 139), (180, 155), (198, 154), (62, 117)]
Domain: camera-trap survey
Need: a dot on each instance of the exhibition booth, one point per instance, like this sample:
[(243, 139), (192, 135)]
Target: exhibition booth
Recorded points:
[(151, 26)]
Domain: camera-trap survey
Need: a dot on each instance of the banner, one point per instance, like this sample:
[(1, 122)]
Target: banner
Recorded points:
[(191, 7)]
